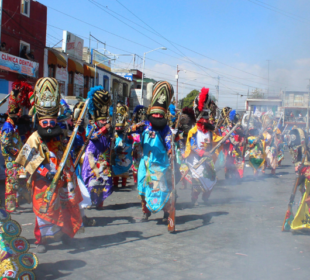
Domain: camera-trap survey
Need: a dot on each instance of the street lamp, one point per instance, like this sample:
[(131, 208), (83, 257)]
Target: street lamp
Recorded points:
[(162, 48), (177, 77)]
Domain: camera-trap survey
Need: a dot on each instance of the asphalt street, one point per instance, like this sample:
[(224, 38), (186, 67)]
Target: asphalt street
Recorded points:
[(237, 235)]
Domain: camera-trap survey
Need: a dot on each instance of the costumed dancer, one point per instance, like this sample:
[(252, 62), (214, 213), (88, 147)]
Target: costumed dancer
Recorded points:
[(96, 170), (270, 143), (233, 149), (11, 144), (154, 190), (186, 123), (123, 147), (256, 147), (200, 141), (41, 156), (299, 222), (139, 115)]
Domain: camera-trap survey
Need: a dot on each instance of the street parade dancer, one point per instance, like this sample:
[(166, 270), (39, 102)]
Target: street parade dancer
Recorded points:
[(233, 148), (186, 123), (153, 187), (139, 115), (122, 150), (172, 114), (256, 146), (11, 144), (96, 169), (41, 156), (271, 143), (200, 141)]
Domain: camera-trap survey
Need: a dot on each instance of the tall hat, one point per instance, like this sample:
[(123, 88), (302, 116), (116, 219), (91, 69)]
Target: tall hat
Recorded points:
[(139, 113), (121, 116), (64, 111), (47, 98), (99, 103), (19, 97), (161, 98), (77, 110), (204, 104)]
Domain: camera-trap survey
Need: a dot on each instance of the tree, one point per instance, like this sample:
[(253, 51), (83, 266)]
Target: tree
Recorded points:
[(257, 94), (189, 99)]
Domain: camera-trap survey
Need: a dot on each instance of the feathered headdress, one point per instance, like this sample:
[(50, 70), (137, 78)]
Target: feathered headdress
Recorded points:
[(19, 97), (204, 104), (99, 103), (232, 115)]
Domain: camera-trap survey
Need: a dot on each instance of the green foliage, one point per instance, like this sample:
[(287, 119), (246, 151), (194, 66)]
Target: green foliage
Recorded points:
[(189, 99), (257, 94)]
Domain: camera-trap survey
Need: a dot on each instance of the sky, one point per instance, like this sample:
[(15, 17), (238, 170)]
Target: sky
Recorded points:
[(229, 39)]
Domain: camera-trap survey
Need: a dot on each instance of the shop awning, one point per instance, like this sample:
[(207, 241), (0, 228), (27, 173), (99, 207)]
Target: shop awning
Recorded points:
[(74, 66), (55, 58), (89, 71)]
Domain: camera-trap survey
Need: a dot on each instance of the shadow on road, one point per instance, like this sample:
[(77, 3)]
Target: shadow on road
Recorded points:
[(103, 241), (109, 221), (50, 271), (122, 206)]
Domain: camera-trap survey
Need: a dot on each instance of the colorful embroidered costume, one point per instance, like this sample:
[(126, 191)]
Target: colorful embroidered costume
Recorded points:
[(96, 169), (11, 143), (41, 156), (154, 164)]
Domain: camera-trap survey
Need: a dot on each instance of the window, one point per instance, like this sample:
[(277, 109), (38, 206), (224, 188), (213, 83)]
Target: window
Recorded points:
[(71, 78), (85, 82), (22, 52), (25, 7), (106, 82), (51, 71)]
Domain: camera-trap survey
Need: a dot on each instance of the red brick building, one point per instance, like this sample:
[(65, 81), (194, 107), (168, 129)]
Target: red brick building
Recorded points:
[(24, 23)]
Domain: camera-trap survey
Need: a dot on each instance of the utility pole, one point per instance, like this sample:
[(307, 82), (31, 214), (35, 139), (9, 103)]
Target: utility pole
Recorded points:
[(308, 107), (218, 89), (268, 77), (1, 4), (89, 41), (134, 61), (177, 77)]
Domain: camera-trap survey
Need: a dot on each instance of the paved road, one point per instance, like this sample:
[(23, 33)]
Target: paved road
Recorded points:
[(237, 236)]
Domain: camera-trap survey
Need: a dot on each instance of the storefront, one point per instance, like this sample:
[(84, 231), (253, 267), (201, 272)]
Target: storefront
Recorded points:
[(75, 78), (89, 78)]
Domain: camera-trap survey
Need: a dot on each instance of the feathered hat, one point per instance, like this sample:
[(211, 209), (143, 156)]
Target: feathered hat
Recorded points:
[(161, 98), (19, 97), (47, 98), (203, 104), (99, 103)]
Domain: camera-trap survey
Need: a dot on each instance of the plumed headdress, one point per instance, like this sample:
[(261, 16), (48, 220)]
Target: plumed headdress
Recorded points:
[(19, 97), (297, 141), (99, 103), (203, 104), (161, 98), (47, 98)]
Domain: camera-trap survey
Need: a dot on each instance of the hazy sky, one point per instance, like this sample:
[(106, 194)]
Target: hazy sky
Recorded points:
[(230, 38)]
